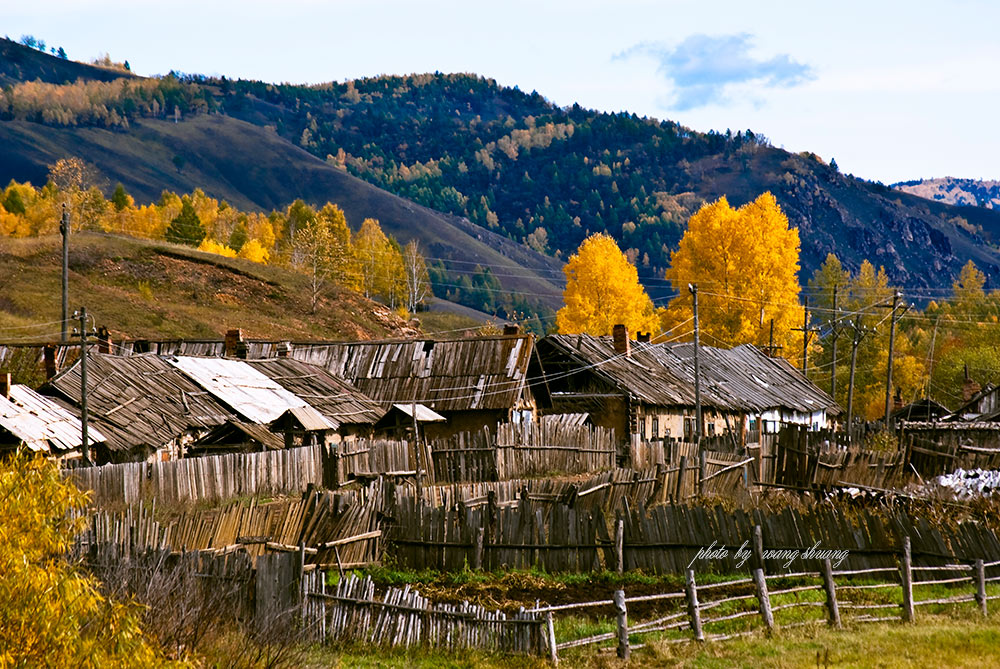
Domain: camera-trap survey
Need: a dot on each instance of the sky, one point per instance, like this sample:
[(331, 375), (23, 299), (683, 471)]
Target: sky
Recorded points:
[(892, 90)]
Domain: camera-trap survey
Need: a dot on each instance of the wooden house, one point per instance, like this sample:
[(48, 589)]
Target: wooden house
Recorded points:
[(40, 424), (647, 390), (472, 382)]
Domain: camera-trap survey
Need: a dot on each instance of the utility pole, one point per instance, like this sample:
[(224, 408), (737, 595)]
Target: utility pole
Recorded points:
[(835, 330), (930, 370), (893, 318), (697, 371), (806, 331), (859, 334), (64, 228), (84, 443)]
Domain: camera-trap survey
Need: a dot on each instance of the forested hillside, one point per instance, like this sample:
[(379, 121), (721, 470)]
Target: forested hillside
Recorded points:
[(511, 163)]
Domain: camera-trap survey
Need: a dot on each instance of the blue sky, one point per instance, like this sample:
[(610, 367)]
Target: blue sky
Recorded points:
[(892, 90)]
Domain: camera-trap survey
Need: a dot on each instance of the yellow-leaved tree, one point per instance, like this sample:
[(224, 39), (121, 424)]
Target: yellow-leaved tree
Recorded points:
[(51, 613), (745, 262), (603, 290)]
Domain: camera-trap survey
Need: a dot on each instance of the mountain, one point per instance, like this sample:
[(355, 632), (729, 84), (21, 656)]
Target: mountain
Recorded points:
[(495, 169), (961, 192)]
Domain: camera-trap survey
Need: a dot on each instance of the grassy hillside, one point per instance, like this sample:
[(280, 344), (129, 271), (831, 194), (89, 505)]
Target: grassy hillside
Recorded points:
[(150, 290)]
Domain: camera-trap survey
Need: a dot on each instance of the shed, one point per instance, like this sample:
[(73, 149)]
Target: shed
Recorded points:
[(41, 424)]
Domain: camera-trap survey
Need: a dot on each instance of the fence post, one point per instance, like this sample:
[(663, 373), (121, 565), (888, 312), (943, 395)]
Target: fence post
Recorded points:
[(302, 578), (623, 650), (831, 594), (692, 601), (906, 577), (765, 600), (981, 586), (702, 467), (679, 491), (477, 556), (551, 636), (758, 546), (620, 544)]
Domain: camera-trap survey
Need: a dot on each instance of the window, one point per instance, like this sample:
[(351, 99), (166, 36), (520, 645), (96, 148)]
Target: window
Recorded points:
[(642, 427), (711, 429), (655, 432)]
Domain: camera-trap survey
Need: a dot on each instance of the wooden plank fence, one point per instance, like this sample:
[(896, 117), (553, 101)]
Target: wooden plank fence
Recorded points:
[(350, 612), (520, 451), (211, 478), (342, 530), (664, 539)]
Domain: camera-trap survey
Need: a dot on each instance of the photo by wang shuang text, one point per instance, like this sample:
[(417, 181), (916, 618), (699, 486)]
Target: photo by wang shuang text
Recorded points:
[(788, 556)]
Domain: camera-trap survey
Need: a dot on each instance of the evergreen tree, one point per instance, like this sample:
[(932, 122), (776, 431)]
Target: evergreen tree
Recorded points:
[(120, 198), (186, 227)]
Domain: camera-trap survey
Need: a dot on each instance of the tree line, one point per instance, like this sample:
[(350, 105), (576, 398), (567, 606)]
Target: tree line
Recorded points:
[(744, 264), (317, 242)]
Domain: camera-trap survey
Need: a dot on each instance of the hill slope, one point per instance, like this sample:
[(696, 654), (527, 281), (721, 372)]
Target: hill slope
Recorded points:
[(517, 167), (154, 290), (949, 190)]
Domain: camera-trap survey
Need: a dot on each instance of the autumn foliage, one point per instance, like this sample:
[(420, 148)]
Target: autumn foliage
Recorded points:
[(745, 262), (52, 613), (602, 290)]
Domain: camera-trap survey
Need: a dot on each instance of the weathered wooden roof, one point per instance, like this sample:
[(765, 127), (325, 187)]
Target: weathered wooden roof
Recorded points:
[(139, 400), (302, 418), (450, 375), (234, 430), (335, 398), (739, 379), (41, 423)]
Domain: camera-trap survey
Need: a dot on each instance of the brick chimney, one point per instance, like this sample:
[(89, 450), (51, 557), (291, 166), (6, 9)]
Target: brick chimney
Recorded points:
[(51, 366), (5, 384), (969, 387), (284, 349), (643, 337), (103, 340), (242, 349), (897, 400), (511, 329), (622, 344), (232, 337)]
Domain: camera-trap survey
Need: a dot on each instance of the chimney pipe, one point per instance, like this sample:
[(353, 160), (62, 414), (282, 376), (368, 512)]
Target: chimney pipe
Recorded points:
[(232, 337), (5, 384), (51, 366), (511, 329), (644, 337), (103, 340), (622, 344)]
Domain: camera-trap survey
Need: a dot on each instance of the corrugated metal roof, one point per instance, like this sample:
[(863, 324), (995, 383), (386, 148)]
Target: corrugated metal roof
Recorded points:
[(41, 423), (238, 385), (450, 375), (329, 394), (741, 379)]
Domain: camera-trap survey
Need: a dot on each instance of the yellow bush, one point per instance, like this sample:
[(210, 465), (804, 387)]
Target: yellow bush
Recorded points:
[(212, 246), (51, 613), (253, 250)]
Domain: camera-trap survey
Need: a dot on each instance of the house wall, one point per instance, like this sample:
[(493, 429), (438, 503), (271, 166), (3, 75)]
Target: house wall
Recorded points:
[(464, 421)]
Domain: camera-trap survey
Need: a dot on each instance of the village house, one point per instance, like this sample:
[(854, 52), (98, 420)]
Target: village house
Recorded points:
[(472, 382), (647, 390), (152, 407), (40, 424)]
